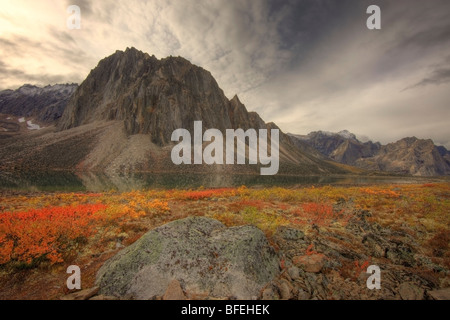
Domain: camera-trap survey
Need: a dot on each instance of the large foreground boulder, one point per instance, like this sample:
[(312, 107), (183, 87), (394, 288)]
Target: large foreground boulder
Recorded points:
[(201, 253)]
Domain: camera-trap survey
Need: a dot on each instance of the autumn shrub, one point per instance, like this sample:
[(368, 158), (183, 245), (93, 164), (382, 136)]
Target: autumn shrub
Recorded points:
[(321, 214), (380, 192), (205, 194), (266, 221), (440, 243), (45, 233), (229, 219)]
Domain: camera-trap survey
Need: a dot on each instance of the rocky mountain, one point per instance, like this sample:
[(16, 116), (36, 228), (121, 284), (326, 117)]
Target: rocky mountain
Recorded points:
[(122, 116), (45, 104), (407, 156), (444, 153), (411, 156), (342, 147)]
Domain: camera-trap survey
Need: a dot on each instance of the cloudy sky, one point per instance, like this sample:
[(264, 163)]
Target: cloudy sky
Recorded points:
[(304, 64)]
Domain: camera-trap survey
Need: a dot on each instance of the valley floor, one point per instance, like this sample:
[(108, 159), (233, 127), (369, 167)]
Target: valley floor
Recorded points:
[(339, 231)]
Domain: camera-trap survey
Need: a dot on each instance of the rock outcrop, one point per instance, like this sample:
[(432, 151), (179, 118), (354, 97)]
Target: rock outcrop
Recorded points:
[(204, 256)]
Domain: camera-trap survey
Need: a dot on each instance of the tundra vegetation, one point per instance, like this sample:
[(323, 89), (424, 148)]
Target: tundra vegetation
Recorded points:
[(41, 233)]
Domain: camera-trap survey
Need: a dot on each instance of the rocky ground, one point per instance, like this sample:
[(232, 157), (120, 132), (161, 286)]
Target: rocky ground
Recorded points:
[(323, 266), (321, 254)]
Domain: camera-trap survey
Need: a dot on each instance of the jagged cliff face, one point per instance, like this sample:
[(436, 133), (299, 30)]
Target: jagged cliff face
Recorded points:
[(43, 104), (154, 97)]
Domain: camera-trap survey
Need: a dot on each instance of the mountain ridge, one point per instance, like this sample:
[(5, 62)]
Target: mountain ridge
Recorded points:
[(45, 104), (410, 155), (122, 116)]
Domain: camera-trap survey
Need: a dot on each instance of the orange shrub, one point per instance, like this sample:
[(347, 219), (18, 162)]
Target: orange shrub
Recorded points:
[(382, 192), (45, 233), (204, 194)]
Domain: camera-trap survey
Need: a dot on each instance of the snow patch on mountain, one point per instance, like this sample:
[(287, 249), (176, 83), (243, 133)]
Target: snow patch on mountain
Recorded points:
[(32, 126)]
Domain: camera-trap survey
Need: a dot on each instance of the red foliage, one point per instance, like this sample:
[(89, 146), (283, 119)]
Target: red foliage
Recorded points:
[(361, 268), (204, 194), (283, 264), (310, 250), (44, 233)]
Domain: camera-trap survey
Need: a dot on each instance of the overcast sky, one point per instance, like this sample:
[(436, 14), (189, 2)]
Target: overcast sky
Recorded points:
[(304, 64)]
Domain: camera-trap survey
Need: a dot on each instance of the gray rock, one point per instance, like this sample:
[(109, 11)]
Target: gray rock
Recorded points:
[(285, 290), (201, 253), (294, 273)]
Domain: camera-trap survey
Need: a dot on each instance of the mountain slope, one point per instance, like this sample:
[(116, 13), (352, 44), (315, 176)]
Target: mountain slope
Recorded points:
[(127, 109), (410, 155), (407, 156)]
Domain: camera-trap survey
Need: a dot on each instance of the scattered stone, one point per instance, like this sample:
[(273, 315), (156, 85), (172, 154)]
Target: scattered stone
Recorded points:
[(409, 291), (119, 245), (268, 294), (174, 291), (310, 263), (303, 295), (285, 290), (294, 273), (442, 294), (82, 295)]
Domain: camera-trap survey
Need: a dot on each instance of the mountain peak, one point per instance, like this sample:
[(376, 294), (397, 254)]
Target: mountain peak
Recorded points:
[(343, 134), (236, 99), (150, 96), (347, 134)]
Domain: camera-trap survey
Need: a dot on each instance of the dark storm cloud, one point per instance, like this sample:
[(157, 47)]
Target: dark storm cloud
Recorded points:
[(344, 76)]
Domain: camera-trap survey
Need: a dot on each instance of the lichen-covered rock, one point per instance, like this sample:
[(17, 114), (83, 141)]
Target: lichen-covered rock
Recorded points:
[(201, 253)]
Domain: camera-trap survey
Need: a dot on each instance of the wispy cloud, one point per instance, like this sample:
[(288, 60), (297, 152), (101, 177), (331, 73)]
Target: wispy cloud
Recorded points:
[(437, 77)]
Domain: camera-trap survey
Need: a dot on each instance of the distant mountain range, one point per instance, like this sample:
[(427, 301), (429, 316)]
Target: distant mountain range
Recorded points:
[(407, 156), (121, 118), (43, 104)]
